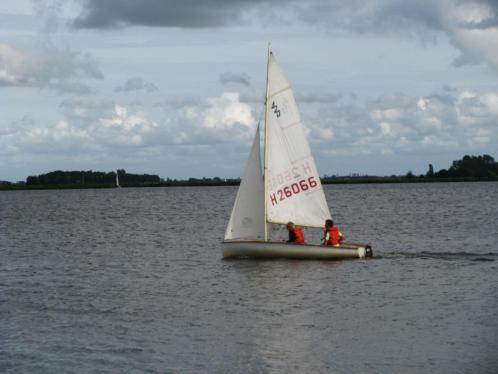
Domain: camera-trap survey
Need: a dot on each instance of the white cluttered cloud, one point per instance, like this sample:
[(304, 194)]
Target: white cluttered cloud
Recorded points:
[(61, 70), (444, 121), (90, 123)]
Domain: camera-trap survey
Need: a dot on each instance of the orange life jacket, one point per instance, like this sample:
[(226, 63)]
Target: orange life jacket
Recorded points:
[(299, 235), (334, 236)]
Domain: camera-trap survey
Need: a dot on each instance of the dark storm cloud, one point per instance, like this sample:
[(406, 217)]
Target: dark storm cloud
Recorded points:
[(241, 78), (418, 19), (356, 15), (166, 13)]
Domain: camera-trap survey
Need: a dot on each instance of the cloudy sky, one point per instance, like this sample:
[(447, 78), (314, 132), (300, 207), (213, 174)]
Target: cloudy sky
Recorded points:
[(176, 88)]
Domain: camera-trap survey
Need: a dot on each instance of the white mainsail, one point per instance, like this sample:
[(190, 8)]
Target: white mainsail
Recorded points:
[(293, 191), (117, 179), (247, 219)]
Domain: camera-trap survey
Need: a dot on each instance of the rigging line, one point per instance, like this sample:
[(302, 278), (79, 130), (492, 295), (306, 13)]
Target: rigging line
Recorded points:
[(288, 87), (291, 125)]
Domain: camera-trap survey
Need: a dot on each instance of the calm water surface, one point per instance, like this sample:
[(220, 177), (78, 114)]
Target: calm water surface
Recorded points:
[(132, 280)]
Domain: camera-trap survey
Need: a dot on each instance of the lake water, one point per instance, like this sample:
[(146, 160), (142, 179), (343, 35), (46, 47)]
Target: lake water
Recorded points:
[(132, 280)]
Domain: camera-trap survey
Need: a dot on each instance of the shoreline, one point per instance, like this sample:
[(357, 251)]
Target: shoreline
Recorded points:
[(379, 180)]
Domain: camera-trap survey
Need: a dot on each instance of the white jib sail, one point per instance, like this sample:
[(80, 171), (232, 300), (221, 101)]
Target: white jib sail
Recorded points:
[(247, 220), (293, 189)]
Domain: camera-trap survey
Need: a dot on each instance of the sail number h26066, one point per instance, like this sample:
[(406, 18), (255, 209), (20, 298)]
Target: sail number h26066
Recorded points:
[(293, 189)]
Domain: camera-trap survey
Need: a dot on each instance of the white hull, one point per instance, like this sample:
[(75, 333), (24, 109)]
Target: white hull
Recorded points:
[(262, 249)]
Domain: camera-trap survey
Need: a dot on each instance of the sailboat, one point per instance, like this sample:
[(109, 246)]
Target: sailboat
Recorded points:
[(117, 179), (289, 189)]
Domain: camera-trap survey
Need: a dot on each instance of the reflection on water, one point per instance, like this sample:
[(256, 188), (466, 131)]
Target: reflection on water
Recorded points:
[(133, 280)]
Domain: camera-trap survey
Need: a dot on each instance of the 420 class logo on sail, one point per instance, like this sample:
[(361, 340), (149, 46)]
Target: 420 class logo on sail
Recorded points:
[(276, 111)]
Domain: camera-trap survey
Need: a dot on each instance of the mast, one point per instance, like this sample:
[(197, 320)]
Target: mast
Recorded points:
[(265, 139)]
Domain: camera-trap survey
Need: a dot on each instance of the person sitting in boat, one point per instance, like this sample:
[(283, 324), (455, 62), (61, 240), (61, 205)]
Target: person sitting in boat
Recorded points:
[(295, 234), (331, 234)]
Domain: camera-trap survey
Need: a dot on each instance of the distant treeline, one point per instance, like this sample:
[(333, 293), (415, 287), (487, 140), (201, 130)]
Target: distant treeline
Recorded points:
[(469, 168), (78, 179), (91, 178), (201, 182)]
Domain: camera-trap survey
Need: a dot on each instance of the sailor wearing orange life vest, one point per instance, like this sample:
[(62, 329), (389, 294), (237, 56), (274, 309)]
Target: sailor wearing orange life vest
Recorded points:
[(295, 234), (331, 234)]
